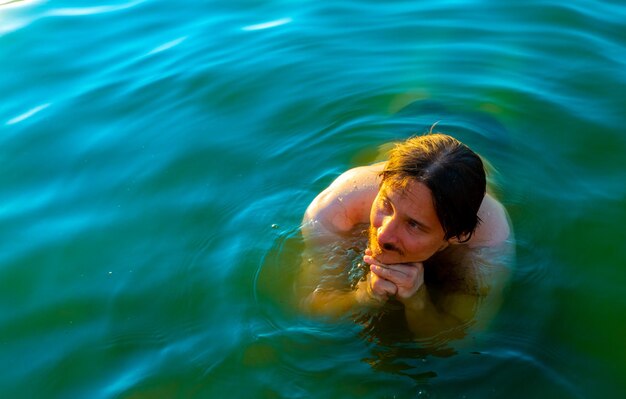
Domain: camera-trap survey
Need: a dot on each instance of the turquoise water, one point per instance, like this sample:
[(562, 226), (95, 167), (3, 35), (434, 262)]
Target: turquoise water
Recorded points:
[(157, 158)]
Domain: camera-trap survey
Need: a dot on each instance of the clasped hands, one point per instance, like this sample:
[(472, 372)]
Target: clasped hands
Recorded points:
[(401, 280)]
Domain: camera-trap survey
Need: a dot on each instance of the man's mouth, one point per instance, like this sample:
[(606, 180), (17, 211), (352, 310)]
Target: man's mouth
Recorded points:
[(376, 249)]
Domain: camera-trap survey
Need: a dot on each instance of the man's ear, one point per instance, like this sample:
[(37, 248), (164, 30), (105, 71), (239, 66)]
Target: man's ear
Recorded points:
[(460, 239)]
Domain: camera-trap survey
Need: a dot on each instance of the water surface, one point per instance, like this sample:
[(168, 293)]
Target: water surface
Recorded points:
[(157, 159)]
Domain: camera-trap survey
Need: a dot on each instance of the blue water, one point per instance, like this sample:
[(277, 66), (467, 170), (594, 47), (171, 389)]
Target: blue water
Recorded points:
[(157, 158)]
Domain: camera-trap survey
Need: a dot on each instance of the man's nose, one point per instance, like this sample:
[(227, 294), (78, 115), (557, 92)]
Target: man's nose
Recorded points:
[(386, 232)]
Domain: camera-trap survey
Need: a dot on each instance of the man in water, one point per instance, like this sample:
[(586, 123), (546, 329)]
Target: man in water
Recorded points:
[(432, 231)]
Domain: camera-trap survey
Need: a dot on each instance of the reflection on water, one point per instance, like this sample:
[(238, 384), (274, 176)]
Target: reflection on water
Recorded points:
[(15, 3), (267, 25)]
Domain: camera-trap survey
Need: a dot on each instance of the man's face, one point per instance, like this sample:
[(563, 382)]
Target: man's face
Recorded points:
[(404, 226)]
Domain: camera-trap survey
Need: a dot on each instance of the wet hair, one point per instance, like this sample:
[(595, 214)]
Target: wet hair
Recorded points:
[(453, 172)]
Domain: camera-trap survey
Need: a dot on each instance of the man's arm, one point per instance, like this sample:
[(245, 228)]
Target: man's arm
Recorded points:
[(328, 222), (345, 204), (426, 320), (455, 311), (487, 256), (472, 299)]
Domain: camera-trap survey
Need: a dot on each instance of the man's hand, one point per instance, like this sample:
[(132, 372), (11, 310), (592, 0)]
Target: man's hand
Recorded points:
[(400, 279), (380, 288)]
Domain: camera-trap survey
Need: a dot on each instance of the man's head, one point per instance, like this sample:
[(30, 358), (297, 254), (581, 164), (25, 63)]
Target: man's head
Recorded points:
[(437, 184)]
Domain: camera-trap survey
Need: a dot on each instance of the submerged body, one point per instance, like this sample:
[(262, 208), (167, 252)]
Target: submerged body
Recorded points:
[(440, 275)]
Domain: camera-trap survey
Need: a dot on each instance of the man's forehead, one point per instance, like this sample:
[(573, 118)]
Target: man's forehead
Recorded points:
[(415, 193), (410, 190), (416, 202)]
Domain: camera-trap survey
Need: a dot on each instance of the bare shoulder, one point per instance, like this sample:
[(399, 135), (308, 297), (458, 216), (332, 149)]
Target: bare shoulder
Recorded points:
[(485, 258), (494, 228), (476, 272), (346, 202)]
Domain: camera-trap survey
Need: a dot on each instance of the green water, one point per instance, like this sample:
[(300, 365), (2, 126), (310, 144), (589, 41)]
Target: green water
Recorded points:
[(157, 159)]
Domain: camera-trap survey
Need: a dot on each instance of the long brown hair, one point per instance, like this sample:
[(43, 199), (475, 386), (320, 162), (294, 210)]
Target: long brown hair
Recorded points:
[(453, 172)]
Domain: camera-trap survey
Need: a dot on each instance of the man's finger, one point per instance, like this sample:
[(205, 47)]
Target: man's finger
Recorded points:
[(383, 287), (386, 273), (371, 261)]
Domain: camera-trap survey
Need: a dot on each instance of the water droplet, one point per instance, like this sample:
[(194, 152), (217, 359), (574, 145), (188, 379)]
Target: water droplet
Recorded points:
[(274, 226)]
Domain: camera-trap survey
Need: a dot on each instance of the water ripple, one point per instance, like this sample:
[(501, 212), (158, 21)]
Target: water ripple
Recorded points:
[(27, 114), (168, 45), (78, 12), (267, 25), (155, 172)]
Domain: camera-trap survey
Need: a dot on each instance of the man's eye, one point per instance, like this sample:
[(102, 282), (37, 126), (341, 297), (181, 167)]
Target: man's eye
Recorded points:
[(414, 225)]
